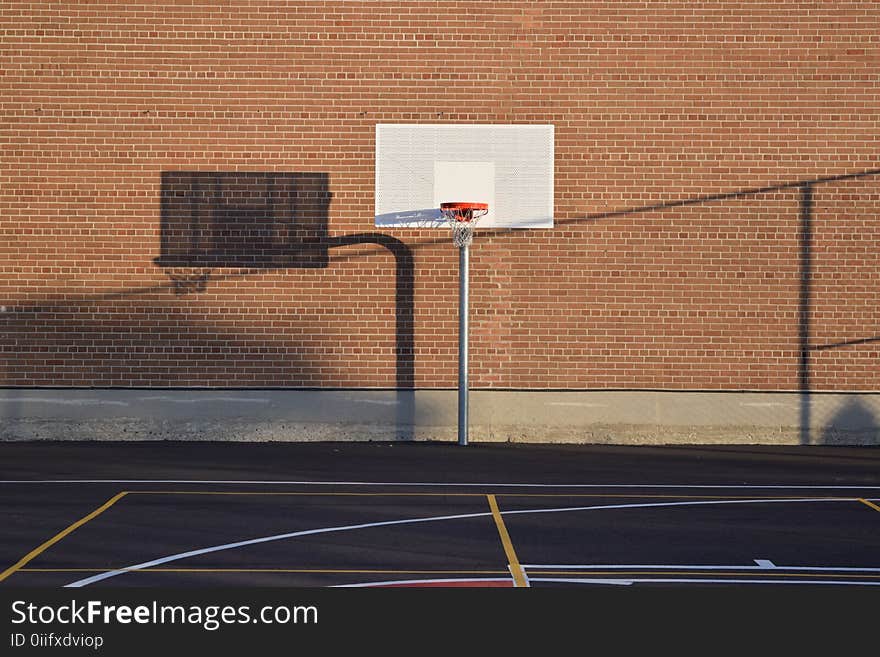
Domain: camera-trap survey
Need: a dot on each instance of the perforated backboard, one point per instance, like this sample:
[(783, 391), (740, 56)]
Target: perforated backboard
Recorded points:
[(420, 166)]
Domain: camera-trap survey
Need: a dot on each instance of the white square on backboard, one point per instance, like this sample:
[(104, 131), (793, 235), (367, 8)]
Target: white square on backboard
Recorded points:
[(419, 166), (466, 182)]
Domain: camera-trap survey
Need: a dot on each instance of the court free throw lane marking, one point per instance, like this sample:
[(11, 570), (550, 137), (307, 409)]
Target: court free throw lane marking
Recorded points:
[(519, 578), (52, 541), (324, 530)]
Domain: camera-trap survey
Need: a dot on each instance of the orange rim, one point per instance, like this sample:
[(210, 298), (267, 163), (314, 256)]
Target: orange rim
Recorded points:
[(463, 211), (464, 206)]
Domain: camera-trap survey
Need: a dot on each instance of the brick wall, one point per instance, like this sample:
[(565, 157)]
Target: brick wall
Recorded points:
[(717, 194)]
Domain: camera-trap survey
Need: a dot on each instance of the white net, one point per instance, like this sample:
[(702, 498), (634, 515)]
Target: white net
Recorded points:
[(462, 219), (462, 232)]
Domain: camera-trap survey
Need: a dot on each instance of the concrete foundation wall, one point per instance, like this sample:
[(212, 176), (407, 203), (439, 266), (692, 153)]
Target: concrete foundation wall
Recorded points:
[(609, 417)]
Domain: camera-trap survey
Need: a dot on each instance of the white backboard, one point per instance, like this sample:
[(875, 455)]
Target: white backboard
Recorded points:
[(420, 166)]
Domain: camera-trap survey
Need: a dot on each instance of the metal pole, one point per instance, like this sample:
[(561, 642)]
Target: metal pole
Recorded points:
[(463, 284)]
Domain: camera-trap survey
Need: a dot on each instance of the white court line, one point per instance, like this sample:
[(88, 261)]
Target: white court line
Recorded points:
[(264, 539), (830, 569), (285, 482), (325, 530), (702, 581)]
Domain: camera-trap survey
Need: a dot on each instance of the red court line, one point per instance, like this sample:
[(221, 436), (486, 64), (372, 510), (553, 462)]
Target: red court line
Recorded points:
[(442, 583)]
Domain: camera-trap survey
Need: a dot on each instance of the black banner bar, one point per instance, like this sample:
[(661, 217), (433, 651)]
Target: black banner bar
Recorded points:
[(275, 620)]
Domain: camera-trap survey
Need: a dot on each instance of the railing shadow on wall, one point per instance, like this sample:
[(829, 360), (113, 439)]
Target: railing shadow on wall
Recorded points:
[(845, 420)]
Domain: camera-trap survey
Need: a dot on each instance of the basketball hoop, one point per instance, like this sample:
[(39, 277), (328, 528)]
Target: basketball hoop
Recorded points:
[(462, 218)]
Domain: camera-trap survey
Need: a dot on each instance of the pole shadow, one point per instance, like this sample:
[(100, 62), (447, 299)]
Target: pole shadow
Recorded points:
[(853, 424), (805, 243)]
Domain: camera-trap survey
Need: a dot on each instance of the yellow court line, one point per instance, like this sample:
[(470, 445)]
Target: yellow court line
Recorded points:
[(870, 504), (52, 541), (519, 577), (346, 571), (300, 493)]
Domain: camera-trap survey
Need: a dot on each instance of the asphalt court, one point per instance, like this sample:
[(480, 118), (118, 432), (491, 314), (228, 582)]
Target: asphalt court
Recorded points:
[(687, 519)]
